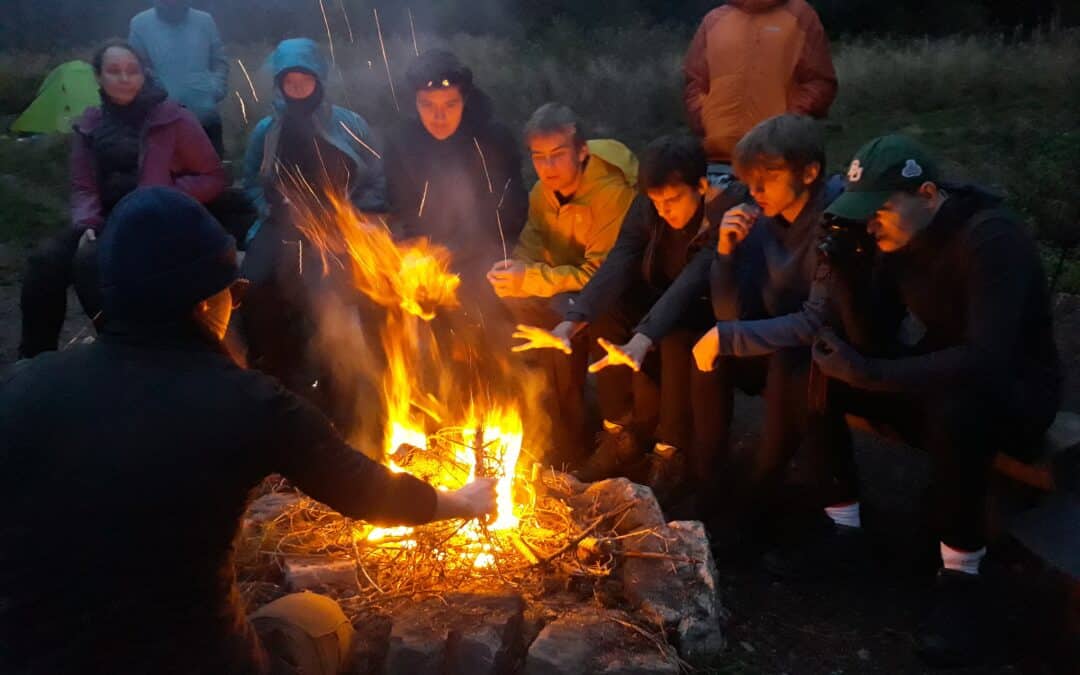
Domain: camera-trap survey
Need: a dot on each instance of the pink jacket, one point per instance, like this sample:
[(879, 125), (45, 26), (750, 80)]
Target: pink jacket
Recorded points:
[(175, 152)]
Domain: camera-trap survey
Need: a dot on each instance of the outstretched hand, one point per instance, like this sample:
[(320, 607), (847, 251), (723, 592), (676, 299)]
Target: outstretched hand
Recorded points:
[(506, 277), (632, 354), (538, 338)]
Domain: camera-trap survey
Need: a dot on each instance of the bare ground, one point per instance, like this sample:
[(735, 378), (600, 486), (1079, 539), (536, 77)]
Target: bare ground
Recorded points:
[(851, 626)]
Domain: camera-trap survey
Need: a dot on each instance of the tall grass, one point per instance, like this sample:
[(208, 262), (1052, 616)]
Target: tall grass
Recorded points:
[(1001, 112)]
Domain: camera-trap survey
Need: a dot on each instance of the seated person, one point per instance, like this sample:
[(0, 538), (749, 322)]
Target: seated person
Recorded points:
[(454, 173), (652, 292), (152, 432), (575, 211), (137, 137), (764, 270), (951, 345), (306, 142)]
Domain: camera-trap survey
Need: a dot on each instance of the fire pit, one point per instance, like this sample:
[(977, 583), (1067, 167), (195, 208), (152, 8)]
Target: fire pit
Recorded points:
[(565, 577)]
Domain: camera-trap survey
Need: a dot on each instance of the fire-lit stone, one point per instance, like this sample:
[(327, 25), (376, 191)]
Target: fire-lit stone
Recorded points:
[(268, 507), (607, 496), (589, 641), (677, 588), (474, 634), (318, 574)]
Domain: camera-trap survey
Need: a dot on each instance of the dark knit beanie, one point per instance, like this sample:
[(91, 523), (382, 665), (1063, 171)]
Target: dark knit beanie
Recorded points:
[(161, 254)]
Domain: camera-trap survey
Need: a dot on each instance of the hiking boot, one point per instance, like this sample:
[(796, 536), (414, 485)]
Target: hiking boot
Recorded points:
[(616, 449), (667, 473), (954, 632), (824, 550)]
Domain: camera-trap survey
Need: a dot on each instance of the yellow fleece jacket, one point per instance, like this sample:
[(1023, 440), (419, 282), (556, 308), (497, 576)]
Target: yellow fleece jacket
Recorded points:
[(564, 244)]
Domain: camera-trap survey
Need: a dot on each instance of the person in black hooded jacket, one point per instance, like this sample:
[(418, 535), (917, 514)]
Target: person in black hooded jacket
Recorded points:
[(949, 342), (454, 173), (152, 438)]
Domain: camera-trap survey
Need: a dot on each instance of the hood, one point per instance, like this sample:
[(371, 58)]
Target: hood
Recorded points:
[(756, 6), (615, 158), (299, 54)]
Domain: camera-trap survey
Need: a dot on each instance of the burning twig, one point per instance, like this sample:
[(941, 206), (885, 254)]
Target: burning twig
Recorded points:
[(386, 59), (251, 84), (572, 544)]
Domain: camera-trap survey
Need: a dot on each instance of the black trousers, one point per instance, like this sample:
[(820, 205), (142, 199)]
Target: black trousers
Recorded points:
[(961, 429), (215, 131), (56, 264), (688, 398), (750, 485)]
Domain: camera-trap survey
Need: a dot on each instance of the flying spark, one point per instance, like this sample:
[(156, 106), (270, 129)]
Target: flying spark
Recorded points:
[(412, 28), (386, 60), (348, 24), (243, 107), (329, 35), (250, 83), (360, 140)]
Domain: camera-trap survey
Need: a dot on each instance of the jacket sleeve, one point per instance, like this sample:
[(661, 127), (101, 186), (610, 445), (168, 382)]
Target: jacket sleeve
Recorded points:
[(765, 336), (201, 174), (219, 63), (1002, 266), (692, 282), (617, 273), (609, 210), (86, 209), (253, 160), (696, 74), (368, 193), (305, 448), (815, 83)]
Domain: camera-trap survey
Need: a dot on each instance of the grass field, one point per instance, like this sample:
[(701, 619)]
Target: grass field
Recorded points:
[(1002, 113)]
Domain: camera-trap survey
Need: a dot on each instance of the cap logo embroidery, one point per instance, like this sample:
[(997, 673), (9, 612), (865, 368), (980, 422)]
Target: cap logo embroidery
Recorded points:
[(911, 169), (854, 173)]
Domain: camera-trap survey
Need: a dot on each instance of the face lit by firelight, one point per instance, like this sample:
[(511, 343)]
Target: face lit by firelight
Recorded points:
[(558, 161), (677, 202), (440, 110)]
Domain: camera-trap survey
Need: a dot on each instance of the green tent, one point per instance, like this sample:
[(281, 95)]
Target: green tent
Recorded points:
[(68, 90)]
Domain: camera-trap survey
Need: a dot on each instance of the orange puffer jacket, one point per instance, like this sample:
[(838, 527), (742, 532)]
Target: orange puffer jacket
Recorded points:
[(751, 60)]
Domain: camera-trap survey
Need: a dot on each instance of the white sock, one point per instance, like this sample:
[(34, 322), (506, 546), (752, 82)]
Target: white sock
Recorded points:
[(962, 561), (665, 450), (612, 427), (845, 514)]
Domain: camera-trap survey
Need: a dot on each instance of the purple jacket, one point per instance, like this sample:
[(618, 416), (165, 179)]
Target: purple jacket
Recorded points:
[(175, 152)]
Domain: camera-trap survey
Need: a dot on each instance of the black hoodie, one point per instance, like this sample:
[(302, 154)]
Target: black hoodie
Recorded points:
[(970, 293), (451, 190)]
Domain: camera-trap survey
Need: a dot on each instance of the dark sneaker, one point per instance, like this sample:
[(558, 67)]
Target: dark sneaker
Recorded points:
[(954, 632), (823, 550), (666, 475), (615, 451)]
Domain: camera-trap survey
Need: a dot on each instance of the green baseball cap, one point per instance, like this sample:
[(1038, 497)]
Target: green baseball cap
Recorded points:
[(885, 165)]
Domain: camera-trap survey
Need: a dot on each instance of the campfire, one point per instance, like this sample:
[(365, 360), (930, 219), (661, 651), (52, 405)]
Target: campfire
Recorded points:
[(452, 414)]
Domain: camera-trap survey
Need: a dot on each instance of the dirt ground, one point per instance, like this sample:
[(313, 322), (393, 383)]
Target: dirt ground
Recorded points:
[(860, 625)]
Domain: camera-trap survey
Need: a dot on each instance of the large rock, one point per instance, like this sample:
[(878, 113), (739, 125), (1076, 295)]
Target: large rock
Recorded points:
[(370, 644), (319, 574), (466, 634), (679, 590), (269, 507), (608, 495), (589, 640)]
